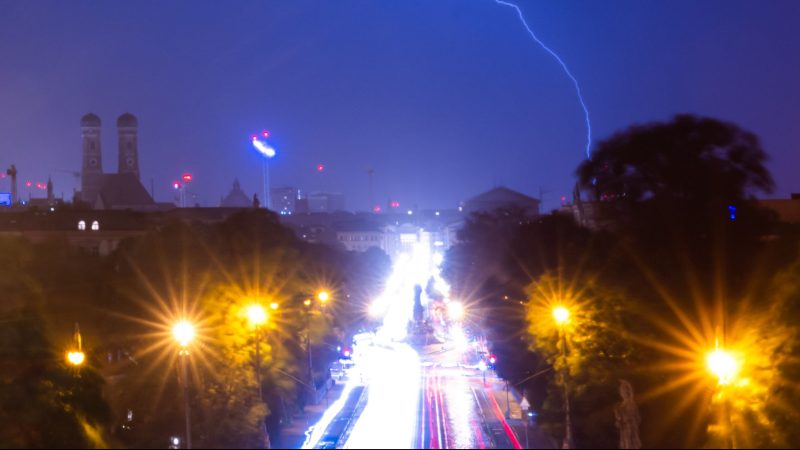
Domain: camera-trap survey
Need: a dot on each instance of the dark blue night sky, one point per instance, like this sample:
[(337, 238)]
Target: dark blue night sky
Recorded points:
[(444, 99)]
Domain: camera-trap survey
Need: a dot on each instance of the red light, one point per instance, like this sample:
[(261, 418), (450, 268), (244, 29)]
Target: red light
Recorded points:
[(254, 137), (320, 167), (28, 184), (395, 204), (563, 198), (492, 360), (187, 177), (376, 208), (265, 133)]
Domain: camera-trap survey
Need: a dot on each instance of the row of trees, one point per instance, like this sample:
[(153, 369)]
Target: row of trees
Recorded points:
[(681, 259), (126, 303)]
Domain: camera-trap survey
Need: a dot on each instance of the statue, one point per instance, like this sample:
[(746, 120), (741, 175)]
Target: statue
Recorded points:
[(418, 309), (627, 417)]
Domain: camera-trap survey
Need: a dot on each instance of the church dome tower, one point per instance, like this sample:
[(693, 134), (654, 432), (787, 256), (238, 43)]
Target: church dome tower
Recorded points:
[(92, 167), (127, 127)]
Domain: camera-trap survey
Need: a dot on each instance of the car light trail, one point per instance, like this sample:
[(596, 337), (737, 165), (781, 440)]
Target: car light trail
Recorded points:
[(390, 417), (315, 432), (566, 70), (392, 368)]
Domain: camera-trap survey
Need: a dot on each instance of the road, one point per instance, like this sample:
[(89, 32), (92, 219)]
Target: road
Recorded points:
[(458, 408), (412, 394), (426, 398)]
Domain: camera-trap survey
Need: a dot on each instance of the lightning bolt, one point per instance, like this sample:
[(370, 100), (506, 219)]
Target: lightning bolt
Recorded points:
[(566, 70)]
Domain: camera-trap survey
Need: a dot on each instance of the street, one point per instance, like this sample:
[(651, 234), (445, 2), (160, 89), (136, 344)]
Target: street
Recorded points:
[(423, 390), (436, 400)]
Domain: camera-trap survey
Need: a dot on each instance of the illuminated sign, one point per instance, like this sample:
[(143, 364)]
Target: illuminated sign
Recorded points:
[(5, 199)]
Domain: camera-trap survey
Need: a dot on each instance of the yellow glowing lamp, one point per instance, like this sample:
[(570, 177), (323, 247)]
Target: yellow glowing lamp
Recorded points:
[(183, 332), (307, 302), (561, 315), (323, 296), (76, 358), (723, 365), (273, 306), (256, 315)]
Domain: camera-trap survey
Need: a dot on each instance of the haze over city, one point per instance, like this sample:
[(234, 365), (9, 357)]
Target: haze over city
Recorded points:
[(352, 224), (443, 100)]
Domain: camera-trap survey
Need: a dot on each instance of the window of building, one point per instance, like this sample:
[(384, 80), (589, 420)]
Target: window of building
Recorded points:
[(408, 238), (95, 225), (82, 225)]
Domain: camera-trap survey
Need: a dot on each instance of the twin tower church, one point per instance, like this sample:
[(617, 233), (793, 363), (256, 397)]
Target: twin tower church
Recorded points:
[(121, 190)]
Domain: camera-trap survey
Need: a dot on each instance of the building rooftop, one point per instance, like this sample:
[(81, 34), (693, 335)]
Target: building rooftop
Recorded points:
[(122, 191)]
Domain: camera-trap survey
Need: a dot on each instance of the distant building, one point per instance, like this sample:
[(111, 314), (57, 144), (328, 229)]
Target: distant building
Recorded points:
[(121, 190), (788, 209), (236, 198), (502, 198), (359, 236), (283, 199), (319, 202)]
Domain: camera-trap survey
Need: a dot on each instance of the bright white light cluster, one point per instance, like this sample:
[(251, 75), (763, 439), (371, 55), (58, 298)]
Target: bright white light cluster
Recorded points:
[(264, 148), (314, 433), (389, 420)]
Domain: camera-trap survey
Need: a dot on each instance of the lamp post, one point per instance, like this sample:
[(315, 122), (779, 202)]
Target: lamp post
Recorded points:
[(725, 368), (257, 317), (561, 317), (76, 357), (183, 332), (508, 403), (322, 297)]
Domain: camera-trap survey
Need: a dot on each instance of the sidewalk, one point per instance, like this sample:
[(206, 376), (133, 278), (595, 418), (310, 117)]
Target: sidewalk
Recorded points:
[(293, 435), (515, 416)]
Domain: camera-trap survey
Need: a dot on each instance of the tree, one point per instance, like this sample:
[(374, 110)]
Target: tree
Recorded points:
[(43, 403), (686, 171), (598, 350)]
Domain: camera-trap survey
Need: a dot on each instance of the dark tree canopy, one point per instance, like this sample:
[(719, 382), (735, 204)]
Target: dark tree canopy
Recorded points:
[(693, 163)]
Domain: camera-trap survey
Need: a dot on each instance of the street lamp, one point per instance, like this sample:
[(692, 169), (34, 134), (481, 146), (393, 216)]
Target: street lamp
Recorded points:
[(724, 366), (455, 310), (323, 297), (257, 317), (482, 367), (183, 332), (76, 357), (266, 150), (561, 316)]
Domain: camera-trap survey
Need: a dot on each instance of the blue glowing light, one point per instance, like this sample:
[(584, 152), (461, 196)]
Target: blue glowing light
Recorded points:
[(732, 212), (566, 70)]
